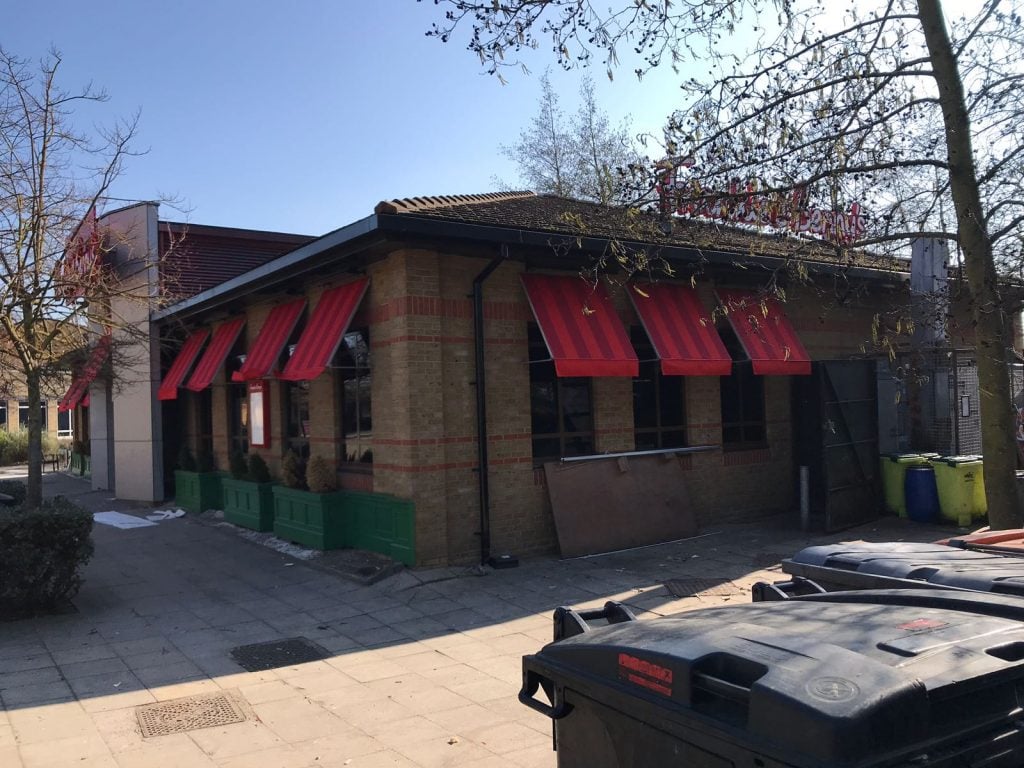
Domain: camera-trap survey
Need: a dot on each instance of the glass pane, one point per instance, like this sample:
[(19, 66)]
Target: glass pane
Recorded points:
[(754, 433), (646, 441), (543, 407), (673, 439), (579, 445), (671, 401), (546, 448), (645, 399), (732, 435), (577, 413), (753, 398), (729, 387)]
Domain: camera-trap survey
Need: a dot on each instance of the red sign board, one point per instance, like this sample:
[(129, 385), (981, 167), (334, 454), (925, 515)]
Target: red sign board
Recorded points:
[(744, 204), (82, 257)]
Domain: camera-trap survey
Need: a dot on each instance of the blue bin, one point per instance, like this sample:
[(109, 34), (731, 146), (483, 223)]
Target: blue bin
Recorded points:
[(922, 494)]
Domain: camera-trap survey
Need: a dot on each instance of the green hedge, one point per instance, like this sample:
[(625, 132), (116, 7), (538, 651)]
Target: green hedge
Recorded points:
[(14, 446), (41, 554), (15, 489)]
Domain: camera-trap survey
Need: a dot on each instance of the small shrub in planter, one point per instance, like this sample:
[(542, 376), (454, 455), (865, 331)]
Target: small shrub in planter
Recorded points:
[(293, 474), (320, 476), (259, 472), (237, 467), (186, 461), (41, 553)]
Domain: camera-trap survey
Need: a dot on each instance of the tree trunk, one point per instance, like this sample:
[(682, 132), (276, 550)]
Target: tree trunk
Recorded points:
[(990, 327), (34, 496)]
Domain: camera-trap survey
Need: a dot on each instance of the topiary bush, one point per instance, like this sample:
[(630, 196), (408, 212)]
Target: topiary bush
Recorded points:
[(259, 472), (41, 554), (237, 466), (205, 461), (293, 474), (320, 476)]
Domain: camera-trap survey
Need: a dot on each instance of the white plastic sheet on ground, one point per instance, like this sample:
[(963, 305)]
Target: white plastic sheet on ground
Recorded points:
[(121, 520)]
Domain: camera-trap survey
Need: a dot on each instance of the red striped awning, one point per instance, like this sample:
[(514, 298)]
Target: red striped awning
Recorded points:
[(182, 363), (682, 333), (223, 340), (579, 324), (262, 358), (326, 327), (80, 382), (766, 333)]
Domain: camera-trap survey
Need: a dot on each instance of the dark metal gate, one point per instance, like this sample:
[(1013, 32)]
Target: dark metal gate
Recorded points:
[(835, 418)]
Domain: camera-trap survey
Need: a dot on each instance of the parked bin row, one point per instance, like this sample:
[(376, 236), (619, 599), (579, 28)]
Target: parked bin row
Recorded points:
[(925, 487)]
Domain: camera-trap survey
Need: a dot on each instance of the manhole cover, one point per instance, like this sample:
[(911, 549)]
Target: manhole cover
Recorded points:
[(188, 714), (708, 586), (277, 653)]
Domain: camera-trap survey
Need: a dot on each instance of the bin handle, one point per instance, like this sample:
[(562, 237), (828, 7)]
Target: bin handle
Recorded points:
[(531, 682)]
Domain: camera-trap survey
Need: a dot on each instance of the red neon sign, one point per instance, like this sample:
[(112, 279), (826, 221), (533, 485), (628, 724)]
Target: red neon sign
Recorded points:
[(82, 257), (743, 204)]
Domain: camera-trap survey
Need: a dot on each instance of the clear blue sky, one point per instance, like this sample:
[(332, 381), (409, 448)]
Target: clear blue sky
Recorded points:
[(301, 116)]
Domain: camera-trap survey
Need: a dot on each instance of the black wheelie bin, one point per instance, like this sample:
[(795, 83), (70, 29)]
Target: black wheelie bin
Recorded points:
[(868, 679), (893, 565)]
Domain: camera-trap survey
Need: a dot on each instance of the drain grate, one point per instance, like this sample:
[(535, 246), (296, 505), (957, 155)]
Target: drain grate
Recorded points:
[(720, 587), (277, 653), (188, 714)]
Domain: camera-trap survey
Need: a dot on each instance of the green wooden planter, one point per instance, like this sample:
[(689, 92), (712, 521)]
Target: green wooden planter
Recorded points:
[(382, 523), (197, 491), (77, 462), (86, 465), (249, 504), (314, 520)]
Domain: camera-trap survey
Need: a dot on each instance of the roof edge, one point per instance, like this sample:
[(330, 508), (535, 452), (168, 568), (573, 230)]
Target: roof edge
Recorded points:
[(413, 204)]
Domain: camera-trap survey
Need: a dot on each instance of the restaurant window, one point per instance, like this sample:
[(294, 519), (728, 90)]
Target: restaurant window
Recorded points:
[(64, 424), (204, 420), (561, 409), (355, 382), (3, 414), (296, 409), (742, 399), (238, 416), (658, 401), (23, 414)]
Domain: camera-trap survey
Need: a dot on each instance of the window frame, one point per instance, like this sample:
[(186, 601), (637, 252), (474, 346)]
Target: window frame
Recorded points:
[(650, 370), (542, 371), (355, 424), (69, 431), (747, 394)]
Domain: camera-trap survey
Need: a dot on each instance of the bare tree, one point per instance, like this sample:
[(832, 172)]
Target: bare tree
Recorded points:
[(582, 157), (58, 293), (893, 106)]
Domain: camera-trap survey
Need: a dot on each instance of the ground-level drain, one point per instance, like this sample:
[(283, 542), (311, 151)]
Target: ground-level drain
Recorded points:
[(188, 714), (712, 587), (277, 653)]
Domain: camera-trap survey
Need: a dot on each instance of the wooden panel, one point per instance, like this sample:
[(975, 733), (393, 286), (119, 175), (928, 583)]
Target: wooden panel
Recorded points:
[(608, 504)]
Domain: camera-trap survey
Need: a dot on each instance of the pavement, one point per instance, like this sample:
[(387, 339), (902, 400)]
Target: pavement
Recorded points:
[(423, 667)]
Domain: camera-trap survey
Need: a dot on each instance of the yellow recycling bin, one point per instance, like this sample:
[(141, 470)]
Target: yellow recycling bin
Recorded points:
[(894, 472), (961, 486)]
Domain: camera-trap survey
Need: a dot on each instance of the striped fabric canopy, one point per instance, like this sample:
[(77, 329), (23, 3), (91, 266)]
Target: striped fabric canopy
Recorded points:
[(224, 338), (681, 331), (325, 330), (80, 383), (766, 333), (262, 358), (182, 363), (580, 326)]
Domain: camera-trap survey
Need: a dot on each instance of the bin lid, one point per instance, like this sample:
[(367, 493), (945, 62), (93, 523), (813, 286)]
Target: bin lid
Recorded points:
[(955, 461), (839, 679), (902, 458)]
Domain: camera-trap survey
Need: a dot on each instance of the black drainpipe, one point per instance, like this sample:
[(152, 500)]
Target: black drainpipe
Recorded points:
[(481, 404)]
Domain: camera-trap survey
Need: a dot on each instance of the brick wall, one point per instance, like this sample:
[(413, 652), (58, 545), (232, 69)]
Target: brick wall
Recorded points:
[(419, 312)]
